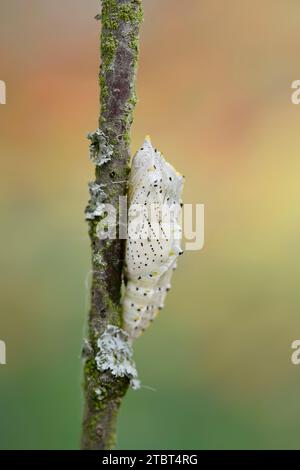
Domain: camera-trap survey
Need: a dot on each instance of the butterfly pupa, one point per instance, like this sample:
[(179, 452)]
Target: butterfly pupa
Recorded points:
[(154, 236)]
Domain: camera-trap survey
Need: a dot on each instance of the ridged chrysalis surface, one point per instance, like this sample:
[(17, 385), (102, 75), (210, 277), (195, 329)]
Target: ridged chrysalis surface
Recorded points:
[(154, 236)]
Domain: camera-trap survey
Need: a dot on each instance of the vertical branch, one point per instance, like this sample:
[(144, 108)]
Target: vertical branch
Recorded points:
[(110, 151)]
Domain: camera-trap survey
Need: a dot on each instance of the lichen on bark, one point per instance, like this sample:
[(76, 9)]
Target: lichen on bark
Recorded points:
[(119, 47)]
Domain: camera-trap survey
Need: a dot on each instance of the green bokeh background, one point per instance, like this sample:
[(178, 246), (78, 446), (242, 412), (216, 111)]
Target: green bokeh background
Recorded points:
[(214, 89)]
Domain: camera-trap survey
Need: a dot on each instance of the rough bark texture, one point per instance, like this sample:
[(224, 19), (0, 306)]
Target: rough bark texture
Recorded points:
[(121, 21)]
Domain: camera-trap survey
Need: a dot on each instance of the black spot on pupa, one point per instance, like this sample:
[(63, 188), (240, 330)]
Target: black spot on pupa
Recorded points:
[(112, 174)]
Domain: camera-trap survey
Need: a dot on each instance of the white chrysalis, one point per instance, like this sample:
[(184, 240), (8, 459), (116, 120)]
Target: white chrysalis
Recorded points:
[(154, 235)]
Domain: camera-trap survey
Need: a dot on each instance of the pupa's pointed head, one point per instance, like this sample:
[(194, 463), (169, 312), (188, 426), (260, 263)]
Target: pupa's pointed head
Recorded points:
[(150, 168)]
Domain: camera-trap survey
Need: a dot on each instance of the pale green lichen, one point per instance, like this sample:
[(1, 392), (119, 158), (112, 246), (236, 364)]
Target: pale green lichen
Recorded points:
[(93, 213), (115, 353), (96, 206), (99, 393), (97, 190), (101, 151), (135, 384)]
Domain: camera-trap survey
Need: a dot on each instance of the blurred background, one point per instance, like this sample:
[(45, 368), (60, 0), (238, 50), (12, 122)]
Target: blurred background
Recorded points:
[(214, 88)]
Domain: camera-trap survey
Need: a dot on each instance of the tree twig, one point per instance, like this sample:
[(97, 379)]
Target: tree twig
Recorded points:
[(110, 151)]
